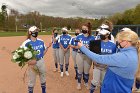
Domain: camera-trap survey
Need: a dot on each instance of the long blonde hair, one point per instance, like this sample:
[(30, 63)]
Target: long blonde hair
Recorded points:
[(132, 37)]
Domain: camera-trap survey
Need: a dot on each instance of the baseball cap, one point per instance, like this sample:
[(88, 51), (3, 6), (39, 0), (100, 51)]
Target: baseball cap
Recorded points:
[(64, 29), (125, 29), (104, 26), (104, 32), (98, 30), (32, 28)]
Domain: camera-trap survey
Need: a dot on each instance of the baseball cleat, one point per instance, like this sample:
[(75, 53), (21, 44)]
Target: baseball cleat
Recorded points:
[(61, 74), (87, 86), (67, 74), (79, 86), (55, 70)]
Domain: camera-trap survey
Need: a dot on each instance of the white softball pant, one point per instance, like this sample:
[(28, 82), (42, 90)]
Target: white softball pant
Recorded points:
[(56, 56), (40, 66), (74, 53), (83, 63), (64, 56), (98, 76)]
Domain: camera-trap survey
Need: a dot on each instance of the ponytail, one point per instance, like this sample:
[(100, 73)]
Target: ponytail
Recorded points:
[(28, 35), (107, 22), (89, 28), (138, 70), (53, 30), (138, 48)]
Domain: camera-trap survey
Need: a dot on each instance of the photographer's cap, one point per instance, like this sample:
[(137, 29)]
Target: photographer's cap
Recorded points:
[(32, 28), (104, 32)]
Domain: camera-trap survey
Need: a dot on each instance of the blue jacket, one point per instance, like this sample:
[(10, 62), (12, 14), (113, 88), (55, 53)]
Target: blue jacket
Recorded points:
[(122, 67)]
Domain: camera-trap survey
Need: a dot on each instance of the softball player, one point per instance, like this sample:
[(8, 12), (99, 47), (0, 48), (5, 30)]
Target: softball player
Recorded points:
[(107, 47), (83, 62), (55, 46), (74, 50), (39, 46), (108, 26), (64, 51)]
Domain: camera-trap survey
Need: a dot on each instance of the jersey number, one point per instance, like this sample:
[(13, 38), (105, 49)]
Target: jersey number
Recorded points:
[(65, 42), (38, 52)]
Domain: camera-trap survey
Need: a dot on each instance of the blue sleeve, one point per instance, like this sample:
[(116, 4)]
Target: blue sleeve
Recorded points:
[(26, 45), (110, 60), (72, 41), (44, 47), (114, 50), (77, 38), (93, 38)]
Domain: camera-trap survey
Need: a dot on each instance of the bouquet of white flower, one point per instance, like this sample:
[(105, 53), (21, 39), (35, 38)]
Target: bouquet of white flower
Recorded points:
[(22, 55)]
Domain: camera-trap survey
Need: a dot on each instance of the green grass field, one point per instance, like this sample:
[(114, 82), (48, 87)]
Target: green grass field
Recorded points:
[(7, 34)]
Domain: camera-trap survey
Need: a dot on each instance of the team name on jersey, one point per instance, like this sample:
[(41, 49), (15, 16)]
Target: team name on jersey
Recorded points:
[(37, 47), (109, 51), (65, 39), (85, 42)]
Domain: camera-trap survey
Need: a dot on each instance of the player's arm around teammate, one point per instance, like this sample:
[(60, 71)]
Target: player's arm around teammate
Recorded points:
[(38, 64)]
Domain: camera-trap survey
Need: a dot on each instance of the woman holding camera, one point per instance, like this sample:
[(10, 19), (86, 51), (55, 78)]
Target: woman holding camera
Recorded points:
[(122, 66)]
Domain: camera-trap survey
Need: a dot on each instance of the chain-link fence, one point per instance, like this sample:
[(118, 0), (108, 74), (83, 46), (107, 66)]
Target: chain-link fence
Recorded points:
[(117, 28)]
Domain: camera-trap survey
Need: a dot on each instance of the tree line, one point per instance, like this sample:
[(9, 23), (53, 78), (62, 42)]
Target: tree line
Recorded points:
[(15, 20), (128, 17)]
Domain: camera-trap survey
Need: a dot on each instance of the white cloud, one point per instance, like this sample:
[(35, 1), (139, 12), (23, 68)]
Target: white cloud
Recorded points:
[(71, 8)]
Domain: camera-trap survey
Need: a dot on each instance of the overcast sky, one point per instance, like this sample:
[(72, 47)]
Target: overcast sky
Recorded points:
[(72, 8)]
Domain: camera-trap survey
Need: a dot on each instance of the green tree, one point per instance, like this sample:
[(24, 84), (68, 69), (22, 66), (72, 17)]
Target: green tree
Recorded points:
[(137, 14)]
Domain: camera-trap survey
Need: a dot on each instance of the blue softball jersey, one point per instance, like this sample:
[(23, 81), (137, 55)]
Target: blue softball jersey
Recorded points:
[(85, 40), (55, 44), (72, 42), (122, 67), (64, 40), (107, 48), (37, 45)]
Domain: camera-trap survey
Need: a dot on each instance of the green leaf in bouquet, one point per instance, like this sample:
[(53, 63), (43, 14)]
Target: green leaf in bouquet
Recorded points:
[(25, 60), (35, 52), (23, 64), (29, 46), (20, 64), (20, 54), (14, 61)]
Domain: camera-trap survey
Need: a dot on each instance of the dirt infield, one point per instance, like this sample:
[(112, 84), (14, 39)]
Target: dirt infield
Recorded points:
[(11, 76)]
